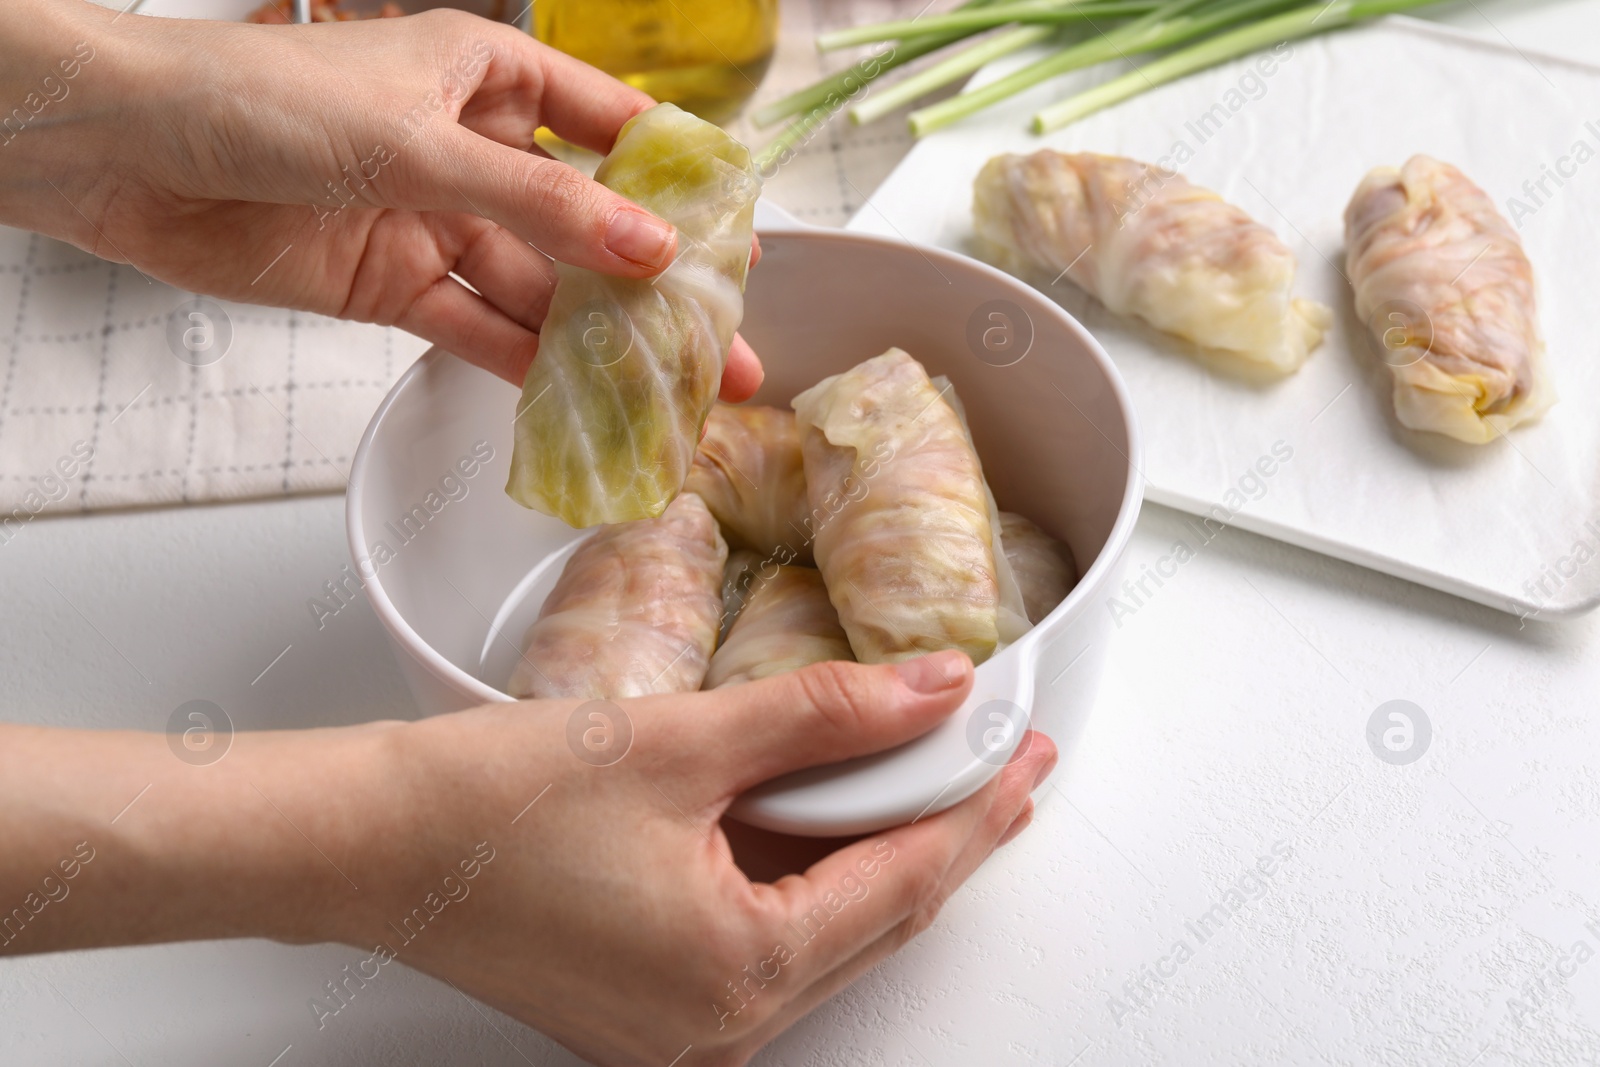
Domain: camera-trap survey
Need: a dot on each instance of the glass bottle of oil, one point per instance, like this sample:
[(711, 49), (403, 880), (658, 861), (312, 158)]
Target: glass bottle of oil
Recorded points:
[(706, 56)]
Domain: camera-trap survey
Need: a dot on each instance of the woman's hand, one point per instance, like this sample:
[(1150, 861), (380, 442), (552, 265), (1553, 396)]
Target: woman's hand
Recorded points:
[(353, 169), (617, 922), (561, 861)]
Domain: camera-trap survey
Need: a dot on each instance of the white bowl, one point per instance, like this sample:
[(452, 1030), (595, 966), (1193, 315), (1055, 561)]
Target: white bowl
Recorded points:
[(463, 571)]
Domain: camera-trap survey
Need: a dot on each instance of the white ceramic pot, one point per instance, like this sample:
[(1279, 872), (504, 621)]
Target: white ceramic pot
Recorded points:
[(456, 570)]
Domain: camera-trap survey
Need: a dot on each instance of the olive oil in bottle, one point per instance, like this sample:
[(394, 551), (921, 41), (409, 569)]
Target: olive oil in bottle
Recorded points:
[(706, 56)]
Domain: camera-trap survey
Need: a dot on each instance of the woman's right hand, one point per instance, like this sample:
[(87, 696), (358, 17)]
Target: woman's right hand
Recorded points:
[(586, 889), (612, 916)]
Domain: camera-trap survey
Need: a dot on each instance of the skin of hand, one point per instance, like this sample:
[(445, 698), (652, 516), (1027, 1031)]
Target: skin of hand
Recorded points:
[(361, 169), (591, 896)]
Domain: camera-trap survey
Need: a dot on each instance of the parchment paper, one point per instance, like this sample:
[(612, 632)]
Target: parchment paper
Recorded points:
[(1514, 524)]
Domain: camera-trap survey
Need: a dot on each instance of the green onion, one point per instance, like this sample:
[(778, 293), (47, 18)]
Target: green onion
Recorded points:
[(791, 137), (963, 21), (846, 83), (1291, 25), (946, 71), (1156, 25), (1172, 23)]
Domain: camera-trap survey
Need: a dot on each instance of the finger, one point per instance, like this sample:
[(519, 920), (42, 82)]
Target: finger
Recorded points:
[(1019, 824), (510, 274), (746, 734), (579, 103), (454, 317), (755, 249), (544, 202), (527, 86), (743, 375), (510, 118), (1030, 765), (887, 888)]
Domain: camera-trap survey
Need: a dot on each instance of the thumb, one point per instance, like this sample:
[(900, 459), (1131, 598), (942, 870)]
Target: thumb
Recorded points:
[(825, 713), (547, 203)]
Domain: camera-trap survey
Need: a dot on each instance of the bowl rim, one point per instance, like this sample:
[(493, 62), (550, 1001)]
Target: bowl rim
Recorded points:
[(1110, 553), (392, 618)]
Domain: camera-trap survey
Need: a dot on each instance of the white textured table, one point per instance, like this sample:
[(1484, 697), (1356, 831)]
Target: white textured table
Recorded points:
[(1424, 913)]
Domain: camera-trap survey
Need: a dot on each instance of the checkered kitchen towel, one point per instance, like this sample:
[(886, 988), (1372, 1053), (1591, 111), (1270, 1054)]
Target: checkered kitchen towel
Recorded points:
[(118, 391)]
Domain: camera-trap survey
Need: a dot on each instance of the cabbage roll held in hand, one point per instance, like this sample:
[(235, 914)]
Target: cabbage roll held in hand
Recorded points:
[(627, 369), (900, 513), (787, 623), (1147, 243), (1443, 283), (635, 612)]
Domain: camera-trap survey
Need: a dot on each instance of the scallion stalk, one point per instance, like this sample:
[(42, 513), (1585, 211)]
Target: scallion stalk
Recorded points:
[(848, 82), (1172, 23), (1291, 25), (792, 136), (946, 71), (964, 21)]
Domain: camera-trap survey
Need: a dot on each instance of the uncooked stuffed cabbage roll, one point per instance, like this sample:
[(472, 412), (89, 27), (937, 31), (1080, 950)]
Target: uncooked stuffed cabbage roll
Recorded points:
[(1147, 243), (1011, 617), (1043, 566), (787, 623), (627, 369), (1442, 281), (634, 612), (748, 471), (900, 514)]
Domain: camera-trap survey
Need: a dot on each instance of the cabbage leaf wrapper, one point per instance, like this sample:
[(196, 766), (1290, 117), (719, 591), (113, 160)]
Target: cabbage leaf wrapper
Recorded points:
[(750, 474), (1012, 615), (635, 611), (787, 623), (1443, 283), (627, 369), (1147, 243), (904, 538)]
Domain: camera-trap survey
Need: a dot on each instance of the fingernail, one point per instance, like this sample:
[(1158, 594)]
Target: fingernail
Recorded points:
[(935, 673), (640, 238)]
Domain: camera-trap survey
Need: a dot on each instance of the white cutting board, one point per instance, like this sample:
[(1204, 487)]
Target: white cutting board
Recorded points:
[(1489, 523)]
